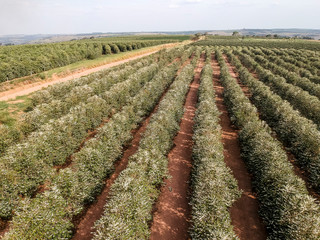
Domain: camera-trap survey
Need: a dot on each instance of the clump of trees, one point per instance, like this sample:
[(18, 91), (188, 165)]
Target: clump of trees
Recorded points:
[(235, 34)]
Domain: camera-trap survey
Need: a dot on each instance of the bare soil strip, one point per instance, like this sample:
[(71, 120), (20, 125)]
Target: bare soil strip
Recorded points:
[(303, 175), (297, 170), (4, 227), (29, 88), (244, 212), (171, 217), (85, 223), (233, 74)]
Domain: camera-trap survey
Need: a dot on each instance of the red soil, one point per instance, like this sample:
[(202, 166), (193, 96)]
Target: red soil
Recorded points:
[(85, 222), (185, 63), (244, 212), (4, 227), (234, 74), (171, 217), (303, 175)]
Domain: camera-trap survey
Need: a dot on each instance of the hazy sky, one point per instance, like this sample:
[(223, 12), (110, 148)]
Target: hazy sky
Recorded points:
[(82, 16)]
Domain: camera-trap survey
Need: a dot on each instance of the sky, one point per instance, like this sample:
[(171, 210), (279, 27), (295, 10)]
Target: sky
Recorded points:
[(87, 16)]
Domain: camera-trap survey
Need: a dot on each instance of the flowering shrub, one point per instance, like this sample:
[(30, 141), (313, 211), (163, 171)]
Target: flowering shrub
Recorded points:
[(8, 136)]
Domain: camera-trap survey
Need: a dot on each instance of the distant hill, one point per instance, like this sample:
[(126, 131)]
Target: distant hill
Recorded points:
[(294, 32), (50, 38), (22, 39)]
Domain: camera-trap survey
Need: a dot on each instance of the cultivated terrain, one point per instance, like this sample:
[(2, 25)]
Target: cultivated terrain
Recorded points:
[(216, 138)]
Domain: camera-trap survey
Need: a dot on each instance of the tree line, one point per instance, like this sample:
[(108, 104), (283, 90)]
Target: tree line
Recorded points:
[(24, 60)]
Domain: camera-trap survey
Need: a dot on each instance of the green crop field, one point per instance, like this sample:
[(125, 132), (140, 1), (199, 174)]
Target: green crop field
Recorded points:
[(107, 139)]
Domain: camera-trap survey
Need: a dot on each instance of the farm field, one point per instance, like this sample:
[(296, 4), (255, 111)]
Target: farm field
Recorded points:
[(217, 139), (14, 94), (74, 70), (23, 60)]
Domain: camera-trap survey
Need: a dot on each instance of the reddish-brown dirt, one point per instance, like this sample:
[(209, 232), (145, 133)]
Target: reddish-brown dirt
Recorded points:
[(171, 218), (185, 63), (85, 222), (4, 227), (84, 225), (244, 212), (303, 175), (234, 74)]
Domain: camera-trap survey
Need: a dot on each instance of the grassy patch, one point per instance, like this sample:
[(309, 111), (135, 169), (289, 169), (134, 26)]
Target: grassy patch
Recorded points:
[(3, 105), (10, 111), (5, 116)]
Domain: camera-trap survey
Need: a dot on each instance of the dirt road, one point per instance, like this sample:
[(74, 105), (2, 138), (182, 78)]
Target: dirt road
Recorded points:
[(29, 88), (245, 211), (171, 219)]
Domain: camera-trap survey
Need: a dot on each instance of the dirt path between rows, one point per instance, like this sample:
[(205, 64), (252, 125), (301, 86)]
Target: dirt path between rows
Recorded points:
[(4, 227), (233, 74), (303, 175), (244, 212), (30, 88), (84, 225), (171, 218)]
